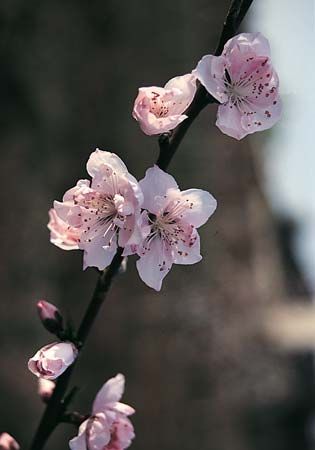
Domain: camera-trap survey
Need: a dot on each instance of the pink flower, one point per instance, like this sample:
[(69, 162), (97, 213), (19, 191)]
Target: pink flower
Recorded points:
[(7, 442), (52, 360), (105, 212), (61, 234), (169, 226), (108, 428), (45, 388), (243, 80), (159, 110)]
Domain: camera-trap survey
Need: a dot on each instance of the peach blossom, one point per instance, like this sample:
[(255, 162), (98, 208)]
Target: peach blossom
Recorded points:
[(244, 81), (105, 211), (169, 226), (159, 110), (108, 427)]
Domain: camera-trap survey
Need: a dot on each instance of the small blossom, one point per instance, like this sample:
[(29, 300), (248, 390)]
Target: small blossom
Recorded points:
[(52, 360), (50, 316), (244, 81), (159, 110), (61, 234), (169, 226), (108, 428), (105, 212), (7, 442), (45, 389)]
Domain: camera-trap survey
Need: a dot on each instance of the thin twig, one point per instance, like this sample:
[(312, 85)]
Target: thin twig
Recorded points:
[(55, 410)]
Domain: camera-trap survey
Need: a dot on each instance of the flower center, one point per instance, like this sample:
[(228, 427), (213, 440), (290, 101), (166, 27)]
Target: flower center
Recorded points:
[(235, 90), (158, 106)]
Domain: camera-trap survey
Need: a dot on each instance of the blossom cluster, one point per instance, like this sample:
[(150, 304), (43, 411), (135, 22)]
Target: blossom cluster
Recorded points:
[(152, 219), (242, 80)]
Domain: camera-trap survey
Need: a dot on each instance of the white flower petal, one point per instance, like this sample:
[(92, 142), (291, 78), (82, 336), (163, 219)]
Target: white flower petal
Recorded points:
[(156, 184), (111, 392)]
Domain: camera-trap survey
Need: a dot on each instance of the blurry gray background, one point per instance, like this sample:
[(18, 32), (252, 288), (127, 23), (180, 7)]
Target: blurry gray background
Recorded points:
[(201, 371)]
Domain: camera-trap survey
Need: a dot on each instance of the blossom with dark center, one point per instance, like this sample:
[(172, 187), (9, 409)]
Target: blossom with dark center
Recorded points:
[(244, 81), (169, 226), (159, 110), (105, 212)]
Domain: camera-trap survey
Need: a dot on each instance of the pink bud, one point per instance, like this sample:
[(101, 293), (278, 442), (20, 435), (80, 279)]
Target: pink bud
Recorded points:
[(7, 442), (52, 360), (50, 316), (45, 389)]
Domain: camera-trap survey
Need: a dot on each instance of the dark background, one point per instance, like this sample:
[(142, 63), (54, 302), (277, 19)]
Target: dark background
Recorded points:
[(200, 371)]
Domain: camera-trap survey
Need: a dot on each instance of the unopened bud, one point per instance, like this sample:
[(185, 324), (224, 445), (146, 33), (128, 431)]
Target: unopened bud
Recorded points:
[(7, 442), (45, 389), (50, 316)]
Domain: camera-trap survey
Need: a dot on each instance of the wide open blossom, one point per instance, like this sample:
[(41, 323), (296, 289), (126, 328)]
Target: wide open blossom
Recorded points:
[(169, 226), (159, 110), (108, 427), (243, 80), (52, 360), (61, 234), (105, 211)]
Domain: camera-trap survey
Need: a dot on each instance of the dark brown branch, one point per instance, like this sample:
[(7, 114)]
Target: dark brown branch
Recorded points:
[(170, 142), (55, 410)]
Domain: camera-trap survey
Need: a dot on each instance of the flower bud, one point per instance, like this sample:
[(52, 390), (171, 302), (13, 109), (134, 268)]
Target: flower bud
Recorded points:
[(52, 360), (7, 442), (45, 389), (50, 316)]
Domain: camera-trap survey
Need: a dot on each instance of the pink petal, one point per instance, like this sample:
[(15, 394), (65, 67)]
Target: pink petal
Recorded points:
[(111, 392), (97, 432), (187, 87), (184, 254), (201, 205), (154, 187), (99, 158), (155, 264), (229, 121), (79, 442), (122, 408), (247, 43), (210, 71), (262, 118), (98, 253)]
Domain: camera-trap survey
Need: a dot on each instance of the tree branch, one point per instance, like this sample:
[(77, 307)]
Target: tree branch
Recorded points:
[(55, 410)]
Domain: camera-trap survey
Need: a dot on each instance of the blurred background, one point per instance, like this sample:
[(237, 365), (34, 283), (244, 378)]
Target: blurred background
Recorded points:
[(222, 358)]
